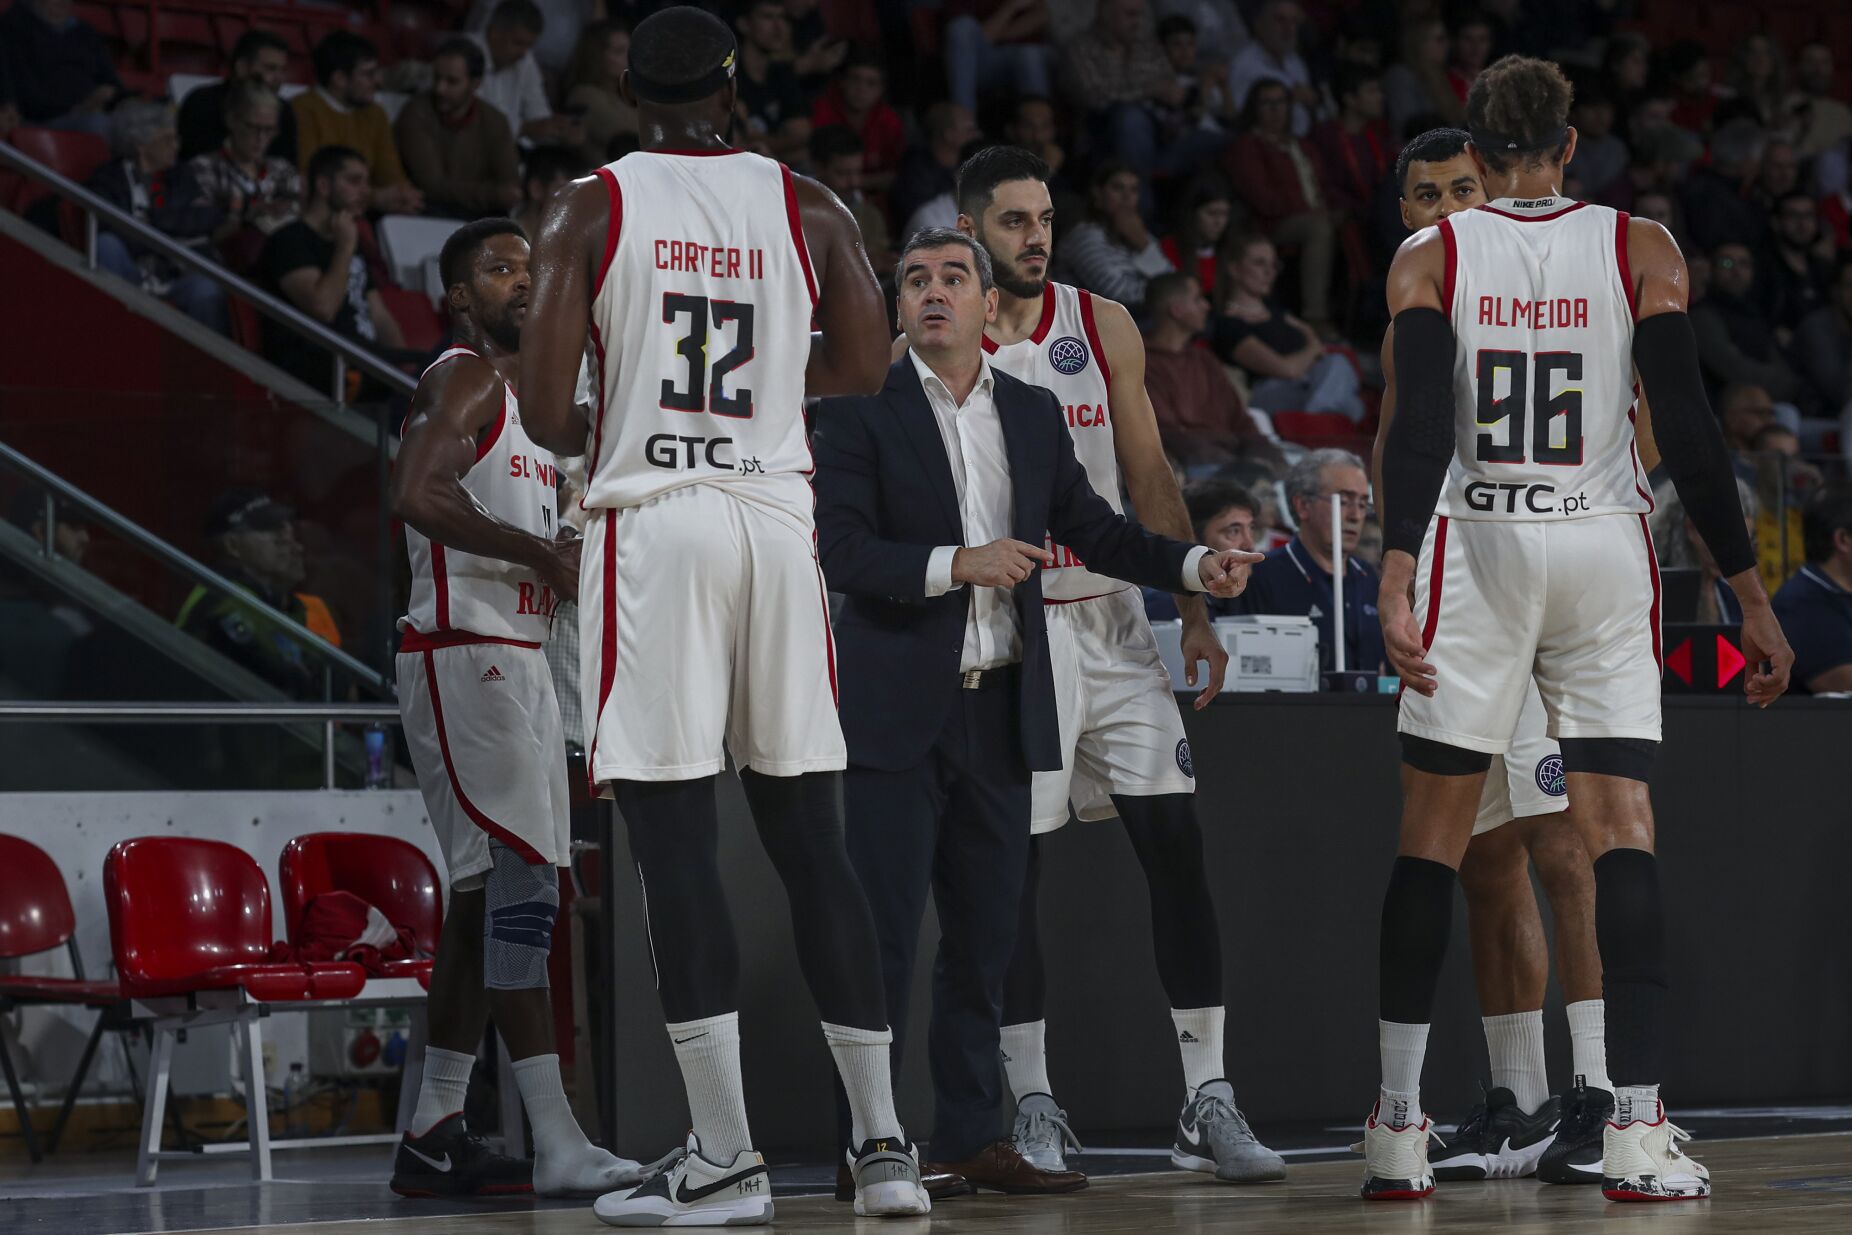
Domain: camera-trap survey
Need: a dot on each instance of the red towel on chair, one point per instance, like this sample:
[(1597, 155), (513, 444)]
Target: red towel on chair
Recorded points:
[(339, 926)]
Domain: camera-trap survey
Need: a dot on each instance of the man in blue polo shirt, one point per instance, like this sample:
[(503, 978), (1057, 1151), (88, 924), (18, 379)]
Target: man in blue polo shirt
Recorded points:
[(1295, 580), (1224, 516), (1815, 606)]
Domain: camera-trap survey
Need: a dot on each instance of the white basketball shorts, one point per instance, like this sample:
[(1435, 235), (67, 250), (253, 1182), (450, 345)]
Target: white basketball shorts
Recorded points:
[(483, 726), (1528, 778), (1572, 603), (1121, 731), (704, 627)]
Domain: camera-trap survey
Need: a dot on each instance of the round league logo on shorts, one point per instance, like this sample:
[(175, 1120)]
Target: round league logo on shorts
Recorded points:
[(1550, 777), (1068, 355), (1183, 758)]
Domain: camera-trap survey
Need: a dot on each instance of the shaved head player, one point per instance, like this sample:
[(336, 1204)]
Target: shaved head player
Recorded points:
[(694, 271)]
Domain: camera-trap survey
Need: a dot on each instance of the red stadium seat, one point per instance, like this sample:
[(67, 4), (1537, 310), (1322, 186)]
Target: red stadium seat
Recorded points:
[(389, 874), (424, 327), (72, 155)]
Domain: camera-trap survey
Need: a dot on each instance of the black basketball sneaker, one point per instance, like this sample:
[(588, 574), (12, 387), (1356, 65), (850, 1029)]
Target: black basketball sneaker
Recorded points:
[(1497, 1140), (450, 1160), (1574, 1157)]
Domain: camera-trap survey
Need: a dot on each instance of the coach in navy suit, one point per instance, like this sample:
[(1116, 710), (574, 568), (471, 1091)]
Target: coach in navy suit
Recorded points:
[(933, 501)]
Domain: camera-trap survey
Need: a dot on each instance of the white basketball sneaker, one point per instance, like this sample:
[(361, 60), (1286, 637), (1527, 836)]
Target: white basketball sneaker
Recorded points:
[(1643, 1162), (695, 1191), (1395, 1160), (887, 1179)]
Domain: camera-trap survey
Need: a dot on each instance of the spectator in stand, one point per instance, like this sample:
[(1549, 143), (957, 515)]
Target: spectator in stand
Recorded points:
[(777, 111), (544, 169), (1224, 516), (1032, 125), (1278, 179), (1823, 344), (816, 52), (59, 70), (562, 27), (930, 170), (1686, 67), (594, 91), (997, 45), (1803, 266), (1112, 253), (1657, 205), (1200, 416), (1203, 212), (1736, 340), (1744, 411), (1820, 121), (1290, 369), (513, 83), (1717, 198), (1778, 175), (1221, 31), (340, 111), (837, 159), (1626, 68), (144, 180), (1601, 157), (1355, 149), (1815, 606), (1274, 56), (260, 56), (458, 148), (252, 193), (1785, 482), (1119, 76), (856, 100), (1679, 547), (1471, 49), (1205, 86), (1419, 84), (1759, 82), (1296, 580), (315, 264)]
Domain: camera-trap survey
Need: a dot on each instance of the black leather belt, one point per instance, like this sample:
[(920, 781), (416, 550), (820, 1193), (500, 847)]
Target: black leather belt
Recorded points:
[(988, 679)]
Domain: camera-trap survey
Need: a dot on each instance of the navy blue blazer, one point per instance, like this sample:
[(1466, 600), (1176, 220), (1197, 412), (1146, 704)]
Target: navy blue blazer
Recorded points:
[(885, 500)]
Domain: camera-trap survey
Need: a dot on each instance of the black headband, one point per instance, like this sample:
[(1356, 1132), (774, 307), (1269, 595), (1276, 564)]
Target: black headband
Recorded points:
[(1498, 143), (708, 83)]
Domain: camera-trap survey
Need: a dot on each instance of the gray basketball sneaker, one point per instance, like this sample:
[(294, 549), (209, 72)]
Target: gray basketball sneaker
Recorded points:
[(1213, 1137), (1041, 1134)]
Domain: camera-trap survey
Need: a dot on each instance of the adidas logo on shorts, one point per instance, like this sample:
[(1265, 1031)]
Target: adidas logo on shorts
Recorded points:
[(493, 675)]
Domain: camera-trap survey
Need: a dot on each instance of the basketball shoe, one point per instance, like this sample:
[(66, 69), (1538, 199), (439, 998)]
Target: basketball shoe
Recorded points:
[(1643, 1162), (1395, 1160), (1498, 1140), (1574, 1157), (450, 1160), (695, 1191), (1213, 1137), (887, 1180), (1041, 1134)]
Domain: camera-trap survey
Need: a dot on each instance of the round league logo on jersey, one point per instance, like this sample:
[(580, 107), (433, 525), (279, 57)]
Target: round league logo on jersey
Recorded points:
[(1068, 355), (1183, 758), (1550, 776)]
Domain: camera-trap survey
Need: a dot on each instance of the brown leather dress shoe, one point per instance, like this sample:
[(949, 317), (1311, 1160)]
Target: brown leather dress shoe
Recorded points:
[(940, 1184), (1000, 1168)]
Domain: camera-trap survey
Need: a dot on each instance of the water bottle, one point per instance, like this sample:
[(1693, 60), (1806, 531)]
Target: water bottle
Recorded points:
[(376, 757)]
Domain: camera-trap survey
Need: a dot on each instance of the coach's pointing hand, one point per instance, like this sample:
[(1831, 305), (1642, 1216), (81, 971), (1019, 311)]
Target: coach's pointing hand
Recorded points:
[(1001, 563), (1225, 573)]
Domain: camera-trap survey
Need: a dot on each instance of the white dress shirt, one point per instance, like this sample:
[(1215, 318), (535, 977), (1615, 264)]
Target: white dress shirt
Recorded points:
[(517, 92)]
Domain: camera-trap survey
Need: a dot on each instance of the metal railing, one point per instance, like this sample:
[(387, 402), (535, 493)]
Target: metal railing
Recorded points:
[(57, 487), (346, 351)]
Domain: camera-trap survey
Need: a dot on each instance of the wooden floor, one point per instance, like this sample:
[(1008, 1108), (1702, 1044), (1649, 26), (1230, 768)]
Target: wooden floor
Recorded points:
[(1796, 1183)]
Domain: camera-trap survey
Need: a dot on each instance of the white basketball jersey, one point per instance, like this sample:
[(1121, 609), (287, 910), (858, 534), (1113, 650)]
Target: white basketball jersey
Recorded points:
[(458, 594), (1541, 301), (701, 333), (1063, 353)]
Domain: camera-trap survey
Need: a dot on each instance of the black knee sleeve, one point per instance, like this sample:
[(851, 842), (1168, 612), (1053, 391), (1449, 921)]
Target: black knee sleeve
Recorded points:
[(1628, 757), (1025, 988), (1427, 755), (1630, 929), (1417, 916), (673, 827), (1169, 844)]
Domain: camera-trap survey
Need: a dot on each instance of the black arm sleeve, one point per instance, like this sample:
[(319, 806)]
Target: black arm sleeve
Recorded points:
[(1690, 441), (1420, 441)]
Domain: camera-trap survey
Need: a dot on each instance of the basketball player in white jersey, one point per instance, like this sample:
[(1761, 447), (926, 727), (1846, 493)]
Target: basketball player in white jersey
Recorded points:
[(1126, 751), (696, 269), (488, 568), (1522, 818), (1518, 329)]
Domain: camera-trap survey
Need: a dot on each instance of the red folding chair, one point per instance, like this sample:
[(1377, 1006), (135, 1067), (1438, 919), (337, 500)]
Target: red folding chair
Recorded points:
[(387, 873), (36, 916)]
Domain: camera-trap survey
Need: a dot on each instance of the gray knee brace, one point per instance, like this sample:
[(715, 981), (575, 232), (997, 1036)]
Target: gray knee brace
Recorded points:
[(520, 903)]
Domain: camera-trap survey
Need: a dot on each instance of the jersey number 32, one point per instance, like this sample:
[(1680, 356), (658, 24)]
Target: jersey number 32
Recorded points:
[(1524, 402), (706, 388)]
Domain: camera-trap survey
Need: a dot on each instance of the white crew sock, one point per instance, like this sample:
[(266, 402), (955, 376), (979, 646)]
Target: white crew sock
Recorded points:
[(1636, 1102), (564, 1161), (1515, 1044), (1588, 1042), (1402, 1048), (1199, 1042), (445, 1086), (709, 1053), (1025, 1058), (862, 1061)]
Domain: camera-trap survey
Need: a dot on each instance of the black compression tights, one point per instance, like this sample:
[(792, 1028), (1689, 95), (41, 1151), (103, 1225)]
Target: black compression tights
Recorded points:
[(1169, 844), (673, 828)]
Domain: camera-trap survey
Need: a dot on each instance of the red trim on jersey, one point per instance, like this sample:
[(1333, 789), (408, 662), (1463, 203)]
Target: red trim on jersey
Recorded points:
[(1633, 448), (1652, 564), (607, 650), (415, 640), (1533, 218), (1043, 326), (487, 444), (699, 154), (1620, 258), (1450, 267), (591, 471), (797, 232), (528, 853), (613, 226), (1093, 337), (1437, 573), (440, 580)]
